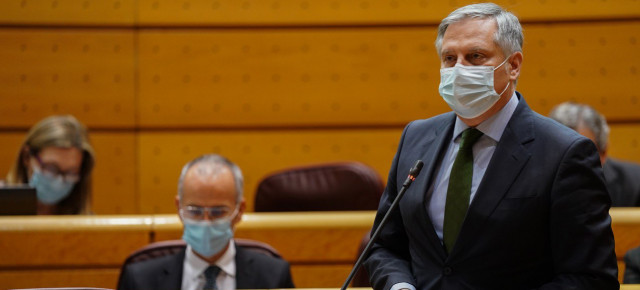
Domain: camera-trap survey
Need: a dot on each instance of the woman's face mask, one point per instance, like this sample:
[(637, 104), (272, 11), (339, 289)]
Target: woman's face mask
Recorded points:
[(50, 189), (51, 183), (469, 90)]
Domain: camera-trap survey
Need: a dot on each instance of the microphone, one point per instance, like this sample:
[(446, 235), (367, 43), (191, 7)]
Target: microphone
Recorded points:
[(413, 173)]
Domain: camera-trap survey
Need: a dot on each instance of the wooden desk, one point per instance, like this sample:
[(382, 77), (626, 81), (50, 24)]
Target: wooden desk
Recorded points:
[(88, 251), (67, 251)]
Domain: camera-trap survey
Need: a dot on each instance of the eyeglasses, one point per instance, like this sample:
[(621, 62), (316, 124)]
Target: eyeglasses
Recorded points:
[(194, 212), (54, 171)]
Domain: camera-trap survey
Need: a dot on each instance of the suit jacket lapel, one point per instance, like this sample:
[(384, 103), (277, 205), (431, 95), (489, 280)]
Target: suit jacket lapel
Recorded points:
[(432, 149), (508, 160), (171, 277), (244, 279)]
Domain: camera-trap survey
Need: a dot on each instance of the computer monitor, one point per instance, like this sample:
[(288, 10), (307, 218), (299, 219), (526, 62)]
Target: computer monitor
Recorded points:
[(18, 200)]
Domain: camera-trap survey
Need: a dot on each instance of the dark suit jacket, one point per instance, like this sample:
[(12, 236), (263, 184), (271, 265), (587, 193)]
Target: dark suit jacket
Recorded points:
[(253, 270), (539, 219), (623, 182), (632, 266)]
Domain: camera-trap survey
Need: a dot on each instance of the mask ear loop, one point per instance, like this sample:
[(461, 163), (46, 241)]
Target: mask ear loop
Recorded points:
[(508, 83), (505, 60)]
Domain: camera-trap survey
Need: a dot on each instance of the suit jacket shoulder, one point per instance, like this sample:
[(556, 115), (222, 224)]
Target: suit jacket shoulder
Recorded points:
[(623, 182), (159, 273), (632, 266), (256, 270)]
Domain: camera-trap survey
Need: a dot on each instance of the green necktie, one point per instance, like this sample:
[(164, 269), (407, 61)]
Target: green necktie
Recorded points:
[(459, 189)]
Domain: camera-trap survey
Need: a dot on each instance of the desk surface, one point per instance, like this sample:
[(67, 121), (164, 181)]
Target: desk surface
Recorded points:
[(48, 250)]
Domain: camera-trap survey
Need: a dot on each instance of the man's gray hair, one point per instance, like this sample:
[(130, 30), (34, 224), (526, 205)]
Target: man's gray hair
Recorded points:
[(509, 36), (574, 115), (216, 161)]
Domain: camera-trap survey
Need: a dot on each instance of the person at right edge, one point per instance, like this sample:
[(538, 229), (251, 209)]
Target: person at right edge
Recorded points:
[(507, 198), (622, 177)]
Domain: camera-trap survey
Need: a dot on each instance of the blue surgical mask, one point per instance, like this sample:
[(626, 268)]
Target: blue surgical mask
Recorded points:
[(468, 90), (50, 189), (206, 237)]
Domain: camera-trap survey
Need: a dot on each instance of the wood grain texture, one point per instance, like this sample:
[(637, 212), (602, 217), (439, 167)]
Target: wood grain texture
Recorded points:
[(60, 277), (320, 246), (84, 72), (257, 153)]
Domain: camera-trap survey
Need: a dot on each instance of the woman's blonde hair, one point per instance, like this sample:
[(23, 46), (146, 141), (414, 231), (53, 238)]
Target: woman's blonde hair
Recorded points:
[(66, 132)]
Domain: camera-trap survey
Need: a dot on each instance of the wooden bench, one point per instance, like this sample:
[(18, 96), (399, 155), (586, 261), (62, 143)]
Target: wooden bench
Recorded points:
[(88, 251)]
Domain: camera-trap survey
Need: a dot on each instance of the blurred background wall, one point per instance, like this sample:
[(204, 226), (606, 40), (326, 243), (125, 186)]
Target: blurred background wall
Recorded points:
[(279, 83)]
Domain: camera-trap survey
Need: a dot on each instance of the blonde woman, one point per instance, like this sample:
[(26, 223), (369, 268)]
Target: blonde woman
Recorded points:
[(56, 158)]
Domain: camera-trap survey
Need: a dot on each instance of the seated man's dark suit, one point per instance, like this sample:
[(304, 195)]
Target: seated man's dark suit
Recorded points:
[(254, 270), (539, 219), (632, 266), (623, 182)]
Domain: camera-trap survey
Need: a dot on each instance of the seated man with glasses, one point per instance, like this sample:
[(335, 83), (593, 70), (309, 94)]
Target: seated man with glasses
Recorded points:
[(210, 204)]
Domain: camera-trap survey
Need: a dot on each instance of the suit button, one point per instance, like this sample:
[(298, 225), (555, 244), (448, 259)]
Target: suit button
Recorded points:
[(447, 271)]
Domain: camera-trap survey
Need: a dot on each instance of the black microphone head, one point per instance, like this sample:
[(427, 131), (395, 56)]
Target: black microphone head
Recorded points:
[(416, 168)]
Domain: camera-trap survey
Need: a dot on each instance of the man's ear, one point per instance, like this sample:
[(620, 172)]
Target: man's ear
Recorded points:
[(241, 208), (603, 156), (515, 65)]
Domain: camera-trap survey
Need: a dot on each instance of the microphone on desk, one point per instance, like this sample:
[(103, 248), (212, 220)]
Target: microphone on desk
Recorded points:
[(413, 173)]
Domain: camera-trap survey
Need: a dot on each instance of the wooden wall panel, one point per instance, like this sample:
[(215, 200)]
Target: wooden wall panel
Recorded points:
[(624, 142), (286, 12), (162, 155), (374, 76), (576, 61), (10, 146), (355, 12), (179, 76), (67, 12), (115, 175), (84, 72), (296, 77)]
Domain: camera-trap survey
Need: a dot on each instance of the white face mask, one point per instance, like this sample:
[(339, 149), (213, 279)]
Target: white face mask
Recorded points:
[(468, 90)]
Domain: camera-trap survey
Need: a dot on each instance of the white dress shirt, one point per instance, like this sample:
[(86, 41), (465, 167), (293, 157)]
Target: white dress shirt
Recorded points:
[(193, 271)]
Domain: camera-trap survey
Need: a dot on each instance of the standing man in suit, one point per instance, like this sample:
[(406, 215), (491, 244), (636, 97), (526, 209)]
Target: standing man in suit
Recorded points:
[(623, 178), (210, 204), (507, 198)]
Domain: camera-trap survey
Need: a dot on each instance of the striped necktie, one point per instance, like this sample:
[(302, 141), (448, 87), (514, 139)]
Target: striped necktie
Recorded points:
[(210, 274)]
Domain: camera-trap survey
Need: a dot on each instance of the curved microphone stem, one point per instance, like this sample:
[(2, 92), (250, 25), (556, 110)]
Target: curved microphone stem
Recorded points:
[(413, 173)]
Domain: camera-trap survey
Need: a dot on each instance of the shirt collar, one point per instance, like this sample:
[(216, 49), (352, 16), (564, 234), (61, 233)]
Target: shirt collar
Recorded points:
[(495, 125), (197, 265)]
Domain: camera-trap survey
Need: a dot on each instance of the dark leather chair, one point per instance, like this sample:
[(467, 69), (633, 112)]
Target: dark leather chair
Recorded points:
[(361, 278), (324, 187), (164, 248)]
